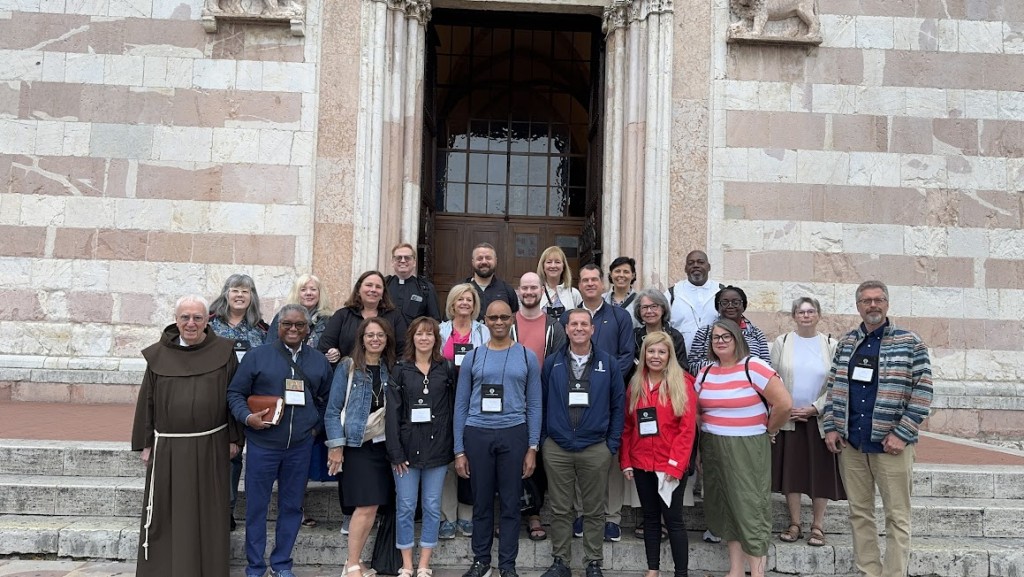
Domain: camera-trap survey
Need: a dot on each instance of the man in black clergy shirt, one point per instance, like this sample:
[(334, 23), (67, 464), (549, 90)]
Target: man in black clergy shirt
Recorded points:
[(414, 296)]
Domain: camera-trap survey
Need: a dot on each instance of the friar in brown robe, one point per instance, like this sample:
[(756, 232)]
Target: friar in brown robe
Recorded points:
[(185, 520)]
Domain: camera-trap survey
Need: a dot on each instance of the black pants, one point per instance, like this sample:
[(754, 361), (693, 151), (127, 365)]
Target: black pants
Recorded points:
[(654, 509), (495, 464)]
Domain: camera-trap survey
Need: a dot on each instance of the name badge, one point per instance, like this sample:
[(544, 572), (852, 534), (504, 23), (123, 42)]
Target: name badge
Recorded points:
[(460, 352), (491, 398), (556, 312), (241, 347), (420, 412), (864, 368), (416, 298), (648, 421), (295, 392), (579, 394)]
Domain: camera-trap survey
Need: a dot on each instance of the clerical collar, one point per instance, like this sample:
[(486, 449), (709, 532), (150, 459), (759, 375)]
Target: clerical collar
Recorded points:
[(580, 359)]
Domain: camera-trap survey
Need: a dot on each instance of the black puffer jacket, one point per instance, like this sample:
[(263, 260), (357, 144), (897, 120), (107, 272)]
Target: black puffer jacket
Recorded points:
[(423, 445)]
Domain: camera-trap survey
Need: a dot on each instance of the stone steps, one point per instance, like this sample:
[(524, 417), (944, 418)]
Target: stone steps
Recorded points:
[(116, 538), (81, 496)]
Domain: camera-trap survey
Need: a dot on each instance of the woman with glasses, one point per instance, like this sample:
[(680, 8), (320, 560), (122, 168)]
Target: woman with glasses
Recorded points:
[(354, 421), (742, 405), (731, 303), (654, 314), (801, 463)]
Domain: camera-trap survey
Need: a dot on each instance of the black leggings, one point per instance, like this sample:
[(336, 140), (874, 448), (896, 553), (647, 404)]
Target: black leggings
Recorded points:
[(654, 510)]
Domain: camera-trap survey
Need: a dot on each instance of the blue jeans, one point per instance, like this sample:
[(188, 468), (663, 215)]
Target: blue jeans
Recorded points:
[(408, 488), (290, 468), (496, 465)]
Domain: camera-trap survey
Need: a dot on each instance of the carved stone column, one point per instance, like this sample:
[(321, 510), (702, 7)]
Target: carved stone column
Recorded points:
[(388, 128), (639, 36)]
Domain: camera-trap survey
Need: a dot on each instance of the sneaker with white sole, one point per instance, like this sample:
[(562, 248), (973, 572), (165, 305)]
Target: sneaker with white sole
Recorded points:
[(710, 537), (344, 524)]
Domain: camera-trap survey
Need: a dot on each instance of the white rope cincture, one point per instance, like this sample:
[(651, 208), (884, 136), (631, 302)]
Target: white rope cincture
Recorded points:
[(152, 475)]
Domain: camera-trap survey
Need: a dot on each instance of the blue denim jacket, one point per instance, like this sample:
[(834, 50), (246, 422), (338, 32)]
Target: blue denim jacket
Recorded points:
[(350, 434)]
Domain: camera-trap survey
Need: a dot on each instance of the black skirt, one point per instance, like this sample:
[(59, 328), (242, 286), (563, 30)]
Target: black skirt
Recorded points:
[(366, 477), (801, 463)]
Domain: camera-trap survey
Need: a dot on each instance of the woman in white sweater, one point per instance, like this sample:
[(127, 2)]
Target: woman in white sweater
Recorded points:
[(558, 294)]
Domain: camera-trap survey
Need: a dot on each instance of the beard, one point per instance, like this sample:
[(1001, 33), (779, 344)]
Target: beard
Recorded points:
[(483, 272)]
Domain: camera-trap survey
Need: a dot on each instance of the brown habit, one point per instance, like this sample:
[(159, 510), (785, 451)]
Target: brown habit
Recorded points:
[(185, 391)]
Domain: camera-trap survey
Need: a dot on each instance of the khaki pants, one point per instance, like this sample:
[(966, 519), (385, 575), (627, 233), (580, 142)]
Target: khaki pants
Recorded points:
[(893, 475), (615, 498), (451, 509), (588, 468)]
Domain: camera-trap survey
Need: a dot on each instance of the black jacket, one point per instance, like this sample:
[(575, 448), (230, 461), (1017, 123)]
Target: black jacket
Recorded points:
[(677, 341), (341, 330), (423, 445)]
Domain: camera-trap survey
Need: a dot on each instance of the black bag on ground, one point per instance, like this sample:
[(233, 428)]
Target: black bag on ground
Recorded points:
[(387, 559)]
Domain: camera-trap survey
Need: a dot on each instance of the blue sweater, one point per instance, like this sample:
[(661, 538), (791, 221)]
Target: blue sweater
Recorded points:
[(518, 370), (602, 421), (263, 372)]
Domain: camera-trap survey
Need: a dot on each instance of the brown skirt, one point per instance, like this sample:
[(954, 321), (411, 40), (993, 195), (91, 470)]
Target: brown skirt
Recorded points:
[(801, 463)]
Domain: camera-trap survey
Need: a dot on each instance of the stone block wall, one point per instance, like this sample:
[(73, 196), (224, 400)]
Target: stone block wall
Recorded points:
[(142, 158), (895, 150)]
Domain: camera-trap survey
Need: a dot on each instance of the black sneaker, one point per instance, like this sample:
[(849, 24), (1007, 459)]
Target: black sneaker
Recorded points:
[(478, 569), (508, 573), (558, 568), (594, 569)]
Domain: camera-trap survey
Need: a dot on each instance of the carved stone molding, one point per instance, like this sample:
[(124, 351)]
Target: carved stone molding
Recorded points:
[(622, 12), (291, 13), (753, 18), (418, 10)]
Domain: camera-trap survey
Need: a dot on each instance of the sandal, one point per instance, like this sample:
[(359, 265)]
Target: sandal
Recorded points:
[(816, 538), (638, 532), (403, 572), (537, 532), (358, 568), (309, 522), (791, 536)]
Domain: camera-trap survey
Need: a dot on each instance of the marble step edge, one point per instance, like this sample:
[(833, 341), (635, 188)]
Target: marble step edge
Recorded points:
[(117, 538)]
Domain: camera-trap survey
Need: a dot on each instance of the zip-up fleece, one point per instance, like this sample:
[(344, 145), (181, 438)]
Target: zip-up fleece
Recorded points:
[(263, 372), (601, 421), (904, 393)]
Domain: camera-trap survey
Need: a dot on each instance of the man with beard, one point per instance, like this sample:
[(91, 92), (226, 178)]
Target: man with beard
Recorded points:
[(692, 299), (186, 435), (487, 284), (537, 331), (878, 392)]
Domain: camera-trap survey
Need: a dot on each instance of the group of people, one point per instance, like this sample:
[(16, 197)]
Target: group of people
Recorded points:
[(593, 398)]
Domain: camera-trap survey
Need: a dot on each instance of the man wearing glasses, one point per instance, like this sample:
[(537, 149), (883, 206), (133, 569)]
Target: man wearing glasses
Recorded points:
[(299, 378), (879, 390), (497, 431), (413, 295)]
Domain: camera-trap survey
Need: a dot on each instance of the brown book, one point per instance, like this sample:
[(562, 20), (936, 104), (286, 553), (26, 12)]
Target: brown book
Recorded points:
[(276, 405)]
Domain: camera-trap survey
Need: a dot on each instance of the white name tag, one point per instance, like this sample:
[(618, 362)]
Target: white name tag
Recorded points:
[(579, 399), (863, 374), (420, 415), (490, 405), (648, 428), (378, 439), (239, 355), (295, 392)]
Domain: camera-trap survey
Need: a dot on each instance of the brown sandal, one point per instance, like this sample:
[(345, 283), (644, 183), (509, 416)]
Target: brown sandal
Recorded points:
[(816, 538), (791, 536)]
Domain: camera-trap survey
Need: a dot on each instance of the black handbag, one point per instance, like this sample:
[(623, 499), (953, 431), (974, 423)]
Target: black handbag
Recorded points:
[(387, 559)]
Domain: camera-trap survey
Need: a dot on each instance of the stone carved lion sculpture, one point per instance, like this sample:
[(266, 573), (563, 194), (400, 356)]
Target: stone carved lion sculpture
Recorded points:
[(755, 14), (270, 7)]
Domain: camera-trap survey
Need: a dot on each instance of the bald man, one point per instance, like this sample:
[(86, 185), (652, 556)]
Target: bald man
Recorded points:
[(534, 329)]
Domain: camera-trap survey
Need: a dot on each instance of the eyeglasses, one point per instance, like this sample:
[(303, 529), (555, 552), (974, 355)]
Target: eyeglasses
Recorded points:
[(807, 312), (239, 291), (730, 303), (287, 325), (496, 318), (869, 302), (403, 257), (649, 307), (194, 318), (378, 336), (724, 338)]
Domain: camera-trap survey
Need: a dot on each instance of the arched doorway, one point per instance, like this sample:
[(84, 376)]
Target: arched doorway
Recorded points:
[(511, 140)]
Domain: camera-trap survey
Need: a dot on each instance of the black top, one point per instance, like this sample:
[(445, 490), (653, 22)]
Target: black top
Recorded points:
[(677, 341), (341, 330), (377, 400), (415, 297), (427, 444), (497, 290)]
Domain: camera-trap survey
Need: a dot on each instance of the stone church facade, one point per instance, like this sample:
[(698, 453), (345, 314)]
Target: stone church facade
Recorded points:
[(145, 156)]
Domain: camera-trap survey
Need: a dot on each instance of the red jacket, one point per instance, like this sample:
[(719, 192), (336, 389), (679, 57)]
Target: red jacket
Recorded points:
[(669, 450)]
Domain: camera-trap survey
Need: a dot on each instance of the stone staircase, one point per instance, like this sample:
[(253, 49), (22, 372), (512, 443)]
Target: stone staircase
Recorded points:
[(81, 500)]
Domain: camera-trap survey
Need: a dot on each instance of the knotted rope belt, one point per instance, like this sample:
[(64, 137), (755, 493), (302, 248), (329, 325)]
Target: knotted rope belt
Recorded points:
[(152, 474)]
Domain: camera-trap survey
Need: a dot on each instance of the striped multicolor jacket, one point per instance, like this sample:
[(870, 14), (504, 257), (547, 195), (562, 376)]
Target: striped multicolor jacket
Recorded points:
[(904, 385)]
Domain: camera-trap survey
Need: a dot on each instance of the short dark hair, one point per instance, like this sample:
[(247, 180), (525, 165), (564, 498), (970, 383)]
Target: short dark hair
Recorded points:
[(619, 261), (579, 311), (590, 266), (735, 289)]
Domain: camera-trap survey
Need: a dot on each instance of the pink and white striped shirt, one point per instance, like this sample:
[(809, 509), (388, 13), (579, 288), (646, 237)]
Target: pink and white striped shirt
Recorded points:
[(729, 404)]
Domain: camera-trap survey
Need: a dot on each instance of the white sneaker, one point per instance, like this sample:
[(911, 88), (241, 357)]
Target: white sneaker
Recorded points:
[(344, 524), (710, 537)]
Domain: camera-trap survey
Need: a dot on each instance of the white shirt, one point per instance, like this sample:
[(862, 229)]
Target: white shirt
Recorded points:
[(808, 371), (693, 307)]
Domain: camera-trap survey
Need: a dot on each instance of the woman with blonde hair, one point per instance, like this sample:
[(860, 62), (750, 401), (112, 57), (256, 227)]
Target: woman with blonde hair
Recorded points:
[(657, 438), (559, 294), (308, 291)]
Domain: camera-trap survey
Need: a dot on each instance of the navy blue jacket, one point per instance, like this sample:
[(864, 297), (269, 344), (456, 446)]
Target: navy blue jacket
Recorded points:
[(262, 372), (613, 333), (602, 421)]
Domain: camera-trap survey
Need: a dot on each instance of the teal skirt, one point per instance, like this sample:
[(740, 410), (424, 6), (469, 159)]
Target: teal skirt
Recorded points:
[(737, 489)]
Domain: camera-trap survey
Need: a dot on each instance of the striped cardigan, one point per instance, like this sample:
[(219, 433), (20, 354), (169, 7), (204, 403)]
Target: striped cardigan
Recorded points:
[(904, 385)]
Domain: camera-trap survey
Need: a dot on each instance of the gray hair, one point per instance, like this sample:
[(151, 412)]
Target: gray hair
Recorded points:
[(657, 298), (219, 308), (294, 307), (189, 299), (797, 303), (742, 349), (871, 284)]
